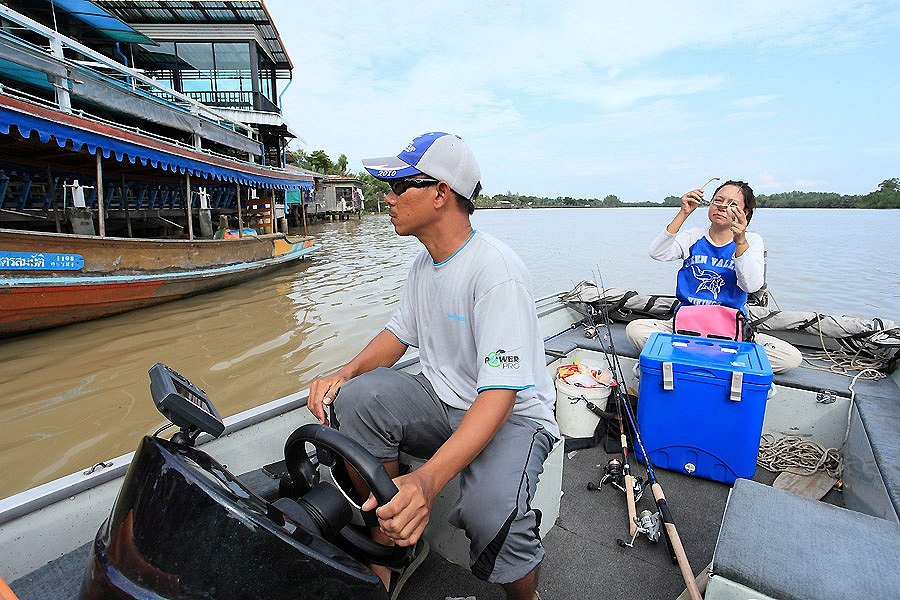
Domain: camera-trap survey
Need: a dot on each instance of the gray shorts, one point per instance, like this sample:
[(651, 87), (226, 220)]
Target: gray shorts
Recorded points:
[(388, 410)]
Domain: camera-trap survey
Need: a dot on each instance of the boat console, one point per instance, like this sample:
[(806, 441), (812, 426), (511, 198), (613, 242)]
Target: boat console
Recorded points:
[(183, 526)]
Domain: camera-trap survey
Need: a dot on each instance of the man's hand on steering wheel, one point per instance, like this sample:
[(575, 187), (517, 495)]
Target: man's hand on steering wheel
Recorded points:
[(370, 469), (404, 518)]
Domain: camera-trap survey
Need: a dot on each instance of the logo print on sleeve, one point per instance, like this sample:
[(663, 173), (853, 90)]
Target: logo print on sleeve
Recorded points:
[(501, 359)]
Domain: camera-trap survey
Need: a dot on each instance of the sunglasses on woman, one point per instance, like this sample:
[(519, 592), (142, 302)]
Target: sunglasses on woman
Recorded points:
[(399, 186)]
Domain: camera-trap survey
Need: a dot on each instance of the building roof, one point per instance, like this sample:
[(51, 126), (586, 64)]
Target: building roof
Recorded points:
[(244, 12), (341, 179)]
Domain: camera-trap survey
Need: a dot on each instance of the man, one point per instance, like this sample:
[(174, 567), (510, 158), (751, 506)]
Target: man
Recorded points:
[(483, 405)]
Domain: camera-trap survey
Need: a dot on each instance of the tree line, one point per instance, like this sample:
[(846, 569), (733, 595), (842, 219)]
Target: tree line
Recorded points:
[(886, 196)]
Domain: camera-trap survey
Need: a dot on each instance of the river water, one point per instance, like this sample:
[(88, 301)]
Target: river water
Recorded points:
[(77, 395)]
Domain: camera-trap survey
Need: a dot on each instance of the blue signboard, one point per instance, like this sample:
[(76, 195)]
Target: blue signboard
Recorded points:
[(40, 261)]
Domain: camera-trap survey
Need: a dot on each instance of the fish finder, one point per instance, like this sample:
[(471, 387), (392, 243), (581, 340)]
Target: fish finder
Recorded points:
[(184, 404)]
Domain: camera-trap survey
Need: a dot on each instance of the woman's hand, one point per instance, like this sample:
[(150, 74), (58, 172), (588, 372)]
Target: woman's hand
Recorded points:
[(738, 225), (690, 201)]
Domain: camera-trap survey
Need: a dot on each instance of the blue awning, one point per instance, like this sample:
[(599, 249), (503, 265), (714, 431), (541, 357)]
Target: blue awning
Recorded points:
[(123, 150), (99, 19)]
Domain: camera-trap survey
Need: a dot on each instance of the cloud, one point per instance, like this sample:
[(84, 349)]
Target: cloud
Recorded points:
[(755, 100), (607, 91), (809, 184), (749, 116), (766, 181)]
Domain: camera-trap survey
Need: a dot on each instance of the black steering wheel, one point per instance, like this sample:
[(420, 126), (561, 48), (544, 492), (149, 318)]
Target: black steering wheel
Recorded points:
[(309, 490)]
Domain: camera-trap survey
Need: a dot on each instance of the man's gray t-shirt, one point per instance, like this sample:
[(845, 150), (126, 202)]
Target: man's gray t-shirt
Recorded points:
[(473, 319)]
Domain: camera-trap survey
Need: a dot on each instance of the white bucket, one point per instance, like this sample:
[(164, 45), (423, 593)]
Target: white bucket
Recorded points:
[(574, 417)]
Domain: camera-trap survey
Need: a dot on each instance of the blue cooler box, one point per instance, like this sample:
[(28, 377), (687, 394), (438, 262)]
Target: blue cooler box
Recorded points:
[(701, 405)]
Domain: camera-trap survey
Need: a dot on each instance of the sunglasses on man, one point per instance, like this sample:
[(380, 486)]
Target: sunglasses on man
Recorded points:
[(399, 186)]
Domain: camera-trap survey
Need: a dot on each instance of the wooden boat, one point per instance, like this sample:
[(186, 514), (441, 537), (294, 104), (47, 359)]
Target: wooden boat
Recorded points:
[(760, 541), (52, 279)]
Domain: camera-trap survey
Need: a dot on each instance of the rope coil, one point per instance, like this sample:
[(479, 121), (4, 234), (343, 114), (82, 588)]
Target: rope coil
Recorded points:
[(799, 456), (870, 365), (803, 457)]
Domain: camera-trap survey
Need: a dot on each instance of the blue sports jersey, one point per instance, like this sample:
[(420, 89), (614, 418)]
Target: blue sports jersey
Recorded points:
[(708, 276)]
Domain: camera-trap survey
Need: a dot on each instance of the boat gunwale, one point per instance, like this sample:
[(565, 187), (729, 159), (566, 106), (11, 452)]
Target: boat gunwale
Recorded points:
[(67, 486), (54, 281), (246, 239)]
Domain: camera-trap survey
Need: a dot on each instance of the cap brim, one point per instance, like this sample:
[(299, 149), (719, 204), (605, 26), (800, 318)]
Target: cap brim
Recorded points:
[(389, 167)]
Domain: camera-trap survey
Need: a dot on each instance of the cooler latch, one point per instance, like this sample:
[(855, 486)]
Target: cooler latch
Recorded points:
[(737, 383), (668, 377)]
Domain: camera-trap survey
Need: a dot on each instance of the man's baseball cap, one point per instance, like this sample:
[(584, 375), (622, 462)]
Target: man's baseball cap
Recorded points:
[(440, 155)]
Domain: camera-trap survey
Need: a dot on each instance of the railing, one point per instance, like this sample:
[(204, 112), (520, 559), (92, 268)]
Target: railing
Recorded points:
[(136, 80), (233, 99)]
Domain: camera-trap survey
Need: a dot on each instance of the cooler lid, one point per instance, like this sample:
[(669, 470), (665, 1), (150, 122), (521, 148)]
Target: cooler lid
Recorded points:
[(721, 357)]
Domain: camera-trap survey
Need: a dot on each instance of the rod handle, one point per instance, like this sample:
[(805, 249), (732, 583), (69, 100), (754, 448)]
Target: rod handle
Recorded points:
[(675, 542), (632, 509)]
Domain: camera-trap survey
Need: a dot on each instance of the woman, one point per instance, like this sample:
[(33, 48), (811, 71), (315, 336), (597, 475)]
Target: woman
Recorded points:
[(721, 264)]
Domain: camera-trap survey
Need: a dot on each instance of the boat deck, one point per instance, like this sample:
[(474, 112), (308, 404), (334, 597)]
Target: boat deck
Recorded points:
[(583, 558)]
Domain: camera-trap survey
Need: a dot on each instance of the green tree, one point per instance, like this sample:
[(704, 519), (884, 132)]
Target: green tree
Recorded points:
[(889, 185), (611, 201), (672, 201), (297, 157), (319, 161), (340, 167), (373, 190)]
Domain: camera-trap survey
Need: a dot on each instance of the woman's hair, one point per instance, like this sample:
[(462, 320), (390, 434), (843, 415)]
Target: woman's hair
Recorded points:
[(746, 192)]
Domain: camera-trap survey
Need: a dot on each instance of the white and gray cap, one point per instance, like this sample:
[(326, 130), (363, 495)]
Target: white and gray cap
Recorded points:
[(439, 155)]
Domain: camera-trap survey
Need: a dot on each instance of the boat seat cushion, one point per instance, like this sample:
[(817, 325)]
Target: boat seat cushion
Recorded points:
[(879, 412), (790, 547)]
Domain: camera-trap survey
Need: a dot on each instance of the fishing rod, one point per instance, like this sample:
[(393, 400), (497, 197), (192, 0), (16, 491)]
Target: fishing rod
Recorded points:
[(673, 539), (680, 557), (619, 472), (612, 358), (632, 485)]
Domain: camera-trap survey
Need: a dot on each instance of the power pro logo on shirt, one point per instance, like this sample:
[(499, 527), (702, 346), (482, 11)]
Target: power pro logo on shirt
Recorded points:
[(501, 359)]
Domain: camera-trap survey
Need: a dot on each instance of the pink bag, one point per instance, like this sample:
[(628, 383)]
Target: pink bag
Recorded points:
[(712, 321)]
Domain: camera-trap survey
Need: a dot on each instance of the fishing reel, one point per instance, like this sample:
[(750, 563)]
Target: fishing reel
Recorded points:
[(648, 523), (590, 330), (613, 473), (637, 487)]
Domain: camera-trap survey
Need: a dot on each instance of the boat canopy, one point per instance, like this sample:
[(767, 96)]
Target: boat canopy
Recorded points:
[(155, 155)]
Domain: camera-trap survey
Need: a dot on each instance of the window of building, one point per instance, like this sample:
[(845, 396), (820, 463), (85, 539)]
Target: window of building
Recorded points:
[(200, 56)]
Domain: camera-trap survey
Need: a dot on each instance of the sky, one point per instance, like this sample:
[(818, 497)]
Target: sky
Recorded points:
[(641, 100)]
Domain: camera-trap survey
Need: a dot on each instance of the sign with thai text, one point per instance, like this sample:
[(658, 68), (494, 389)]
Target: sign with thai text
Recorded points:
[(40, 261)]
